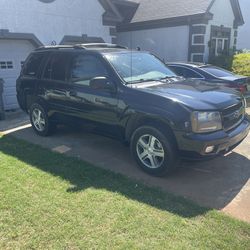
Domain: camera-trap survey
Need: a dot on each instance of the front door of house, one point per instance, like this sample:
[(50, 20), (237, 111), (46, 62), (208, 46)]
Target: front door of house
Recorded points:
[(220, 41)]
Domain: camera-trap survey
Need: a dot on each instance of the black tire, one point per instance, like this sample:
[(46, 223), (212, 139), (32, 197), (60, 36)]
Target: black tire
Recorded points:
[(166, 143), (48, 128)]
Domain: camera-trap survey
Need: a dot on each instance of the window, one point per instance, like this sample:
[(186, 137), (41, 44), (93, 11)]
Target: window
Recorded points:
[(198, 39), (86, 67), (32, 66), (6, 65), (185, 72), (56, 67), (137, 67), (219, 46)]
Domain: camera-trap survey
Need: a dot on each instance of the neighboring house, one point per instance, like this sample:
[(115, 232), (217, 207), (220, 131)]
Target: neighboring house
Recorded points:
[(27, 24), (244, 31), (183, 30), (175, 30)]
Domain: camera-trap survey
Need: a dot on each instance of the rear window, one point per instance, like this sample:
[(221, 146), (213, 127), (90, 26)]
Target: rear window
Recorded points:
[(187, 73), (33, 64), (218, 72)]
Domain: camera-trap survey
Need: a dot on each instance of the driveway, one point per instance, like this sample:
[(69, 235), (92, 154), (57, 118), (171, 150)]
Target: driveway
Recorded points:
[(222, 183)]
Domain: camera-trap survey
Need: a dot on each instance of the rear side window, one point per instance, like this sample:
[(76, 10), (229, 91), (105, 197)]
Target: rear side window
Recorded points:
[(187, 73), (33, 64), (56, 68)]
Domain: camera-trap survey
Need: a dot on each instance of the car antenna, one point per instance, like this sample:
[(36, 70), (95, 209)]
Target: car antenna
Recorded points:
[(131, 62)]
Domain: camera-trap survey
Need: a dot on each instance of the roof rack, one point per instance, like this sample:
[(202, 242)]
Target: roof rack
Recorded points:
[(83, 46), (100, 45), (55, 47)]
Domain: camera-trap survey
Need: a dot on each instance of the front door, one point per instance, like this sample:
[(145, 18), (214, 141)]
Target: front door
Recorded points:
[(220, 41), (97, 106)]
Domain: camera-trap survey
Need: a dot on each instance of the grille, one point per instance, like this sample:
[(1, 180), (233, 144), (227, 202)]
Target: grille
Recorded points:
[(233, 115)]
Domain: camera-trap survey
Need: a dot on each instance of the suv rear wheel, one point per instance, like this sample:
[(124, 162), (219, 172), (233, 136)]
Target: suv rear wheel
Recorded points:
[(154, 151), (40, 121)]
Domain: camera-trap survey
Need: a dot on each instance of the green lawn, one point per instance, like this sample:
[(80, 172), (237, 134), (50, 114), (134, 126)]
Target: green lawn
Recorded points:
[(49, 201)]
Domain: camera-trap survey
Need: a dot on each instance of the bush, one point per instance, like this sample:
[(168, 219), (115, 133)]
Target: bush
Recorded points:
[(222, 61), (241, 64)]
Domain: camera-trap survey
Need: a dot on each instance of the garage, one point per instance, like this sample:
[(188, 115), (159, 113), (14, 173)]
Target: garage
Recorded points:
[(13, 54)]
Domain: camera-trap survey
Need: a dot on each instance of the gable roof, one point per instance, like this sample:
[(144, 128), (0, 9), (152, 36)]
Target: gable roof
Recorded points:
[(149, 10), (139, 14)]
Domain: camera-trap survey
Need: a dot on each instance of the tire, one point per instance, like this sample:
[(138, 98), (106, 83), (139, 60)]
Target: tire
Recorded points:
[(40, 121), (155, 152)]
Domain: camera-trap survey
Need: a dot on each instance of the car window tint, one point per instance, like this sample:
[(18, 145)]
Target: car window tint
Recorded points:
[(56, 67), (32, 66), (218, 72), (86, 67), (187, 73)]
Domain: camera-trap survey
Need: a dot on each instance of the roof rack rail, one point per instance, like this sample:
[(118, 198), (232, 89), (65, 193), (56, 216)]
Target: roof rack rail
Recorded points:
[(99, 45), (55, 47), (82, 46)]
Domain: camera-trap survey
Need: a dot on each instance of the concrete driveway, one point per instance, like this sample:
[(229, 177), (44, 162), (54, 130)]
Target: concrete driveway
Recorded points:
[(222, 183)]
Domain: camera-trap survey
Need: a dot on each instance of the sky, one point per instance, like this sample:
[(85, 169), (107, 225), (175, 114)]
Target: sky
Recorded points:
[(244, 31)]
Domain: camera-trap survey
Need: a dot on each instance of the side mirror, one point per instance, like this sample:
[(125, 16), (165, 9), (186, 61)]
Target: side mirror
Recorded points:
[(102, 83)]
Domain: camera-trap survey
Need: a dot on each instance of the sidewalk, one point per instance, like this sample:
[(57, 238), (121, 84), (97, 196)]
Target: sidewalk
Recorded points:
[(13, 120)]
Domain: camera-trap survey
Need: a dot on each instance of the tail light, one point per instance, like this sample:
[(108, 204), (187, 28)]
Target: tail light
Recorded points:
[(242, 88)]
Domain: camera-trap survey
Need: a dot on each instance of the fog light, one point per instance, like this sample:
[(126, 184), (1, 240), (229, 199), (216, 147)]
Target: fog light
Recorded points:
[(209, 149)]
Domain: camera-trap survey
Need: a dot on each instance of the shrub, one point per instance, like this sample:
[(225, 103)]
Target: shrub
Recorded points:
[(241, 64), (222, 61)]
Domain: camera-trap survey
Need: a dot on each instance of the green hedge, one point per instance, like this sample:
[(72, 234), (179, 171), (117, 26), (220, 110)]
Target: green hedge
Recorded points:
[(241, 64), (223, 61)]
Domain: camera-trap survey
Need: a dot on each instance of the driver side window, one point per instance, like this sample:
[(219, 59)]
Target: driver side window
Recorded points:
[(86, 67)]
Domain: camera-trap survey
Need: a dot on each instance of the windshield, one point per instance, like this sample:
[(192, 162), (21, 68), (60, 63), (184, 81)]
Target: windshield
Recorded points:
[(218, 72), (139, 67)]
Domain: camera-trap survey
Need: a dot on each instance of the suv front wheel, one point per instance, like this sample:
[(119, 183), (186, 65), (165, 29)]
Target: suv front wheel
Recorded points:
[(154, 151), (40, 121)]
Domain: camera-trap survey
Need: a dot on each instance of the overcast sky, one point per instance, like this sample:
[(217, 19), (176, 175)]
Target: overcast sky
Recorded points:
[(244, 31)]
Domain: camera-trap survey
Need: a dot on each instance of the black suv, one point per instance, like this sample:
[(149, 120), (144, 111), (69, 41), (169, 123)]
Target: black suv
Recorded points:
[(132, 96)]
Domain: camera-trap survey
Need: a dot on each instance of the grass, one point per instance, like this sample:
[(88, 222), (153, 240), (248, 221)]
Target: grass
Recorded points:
[(50, 201)]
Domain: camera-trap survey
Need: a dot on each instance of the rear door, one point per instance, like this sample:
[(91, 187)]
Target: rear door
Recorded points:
[(54, 86)]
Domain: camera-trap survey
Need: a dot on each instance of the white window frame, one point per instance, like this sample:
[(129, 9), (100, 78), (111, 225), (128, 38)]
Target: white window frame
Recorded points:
[(5, 61), (216, 44), (194, 35), (196, 54)]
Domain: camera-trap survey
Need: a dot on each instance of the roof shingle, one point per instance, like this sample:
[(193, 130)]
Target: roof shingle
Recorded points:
[(149, 10)]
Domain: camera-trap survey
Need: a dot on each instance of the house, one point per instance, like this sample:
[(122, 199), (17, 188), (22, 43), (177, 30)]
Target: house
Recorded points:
[(244, 31), (28, 24), (183, 30), (175, 30)]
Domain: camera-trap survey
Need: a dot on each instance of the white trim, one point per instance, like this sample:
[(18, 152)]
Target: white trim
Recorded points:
[(216, 44), (197, 54), (193, 35), (194, 25)]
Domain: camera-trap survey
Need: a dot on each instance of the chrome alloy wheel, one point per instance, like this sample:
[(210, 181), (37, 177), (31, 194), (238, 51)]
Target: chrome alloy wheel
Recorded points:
[(38, 120), (150, 151)]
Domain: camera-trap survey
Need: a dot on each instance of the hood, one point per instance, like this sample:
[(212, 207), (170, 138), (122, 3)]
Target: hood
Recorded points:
[(194, 94)]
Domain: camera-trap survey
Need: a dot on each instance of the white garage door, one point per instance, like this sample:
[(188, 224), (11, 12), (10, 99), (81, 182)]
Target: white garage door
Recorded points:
[(12, 54)]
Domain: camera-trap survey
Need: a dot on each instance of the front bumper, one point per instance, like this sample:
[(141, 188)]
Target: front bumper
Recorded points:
[(194, 145)]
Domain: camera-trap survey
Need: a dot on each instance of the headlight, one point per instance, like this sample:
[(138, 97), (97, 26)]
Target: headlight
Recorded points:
[(204, 122)]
